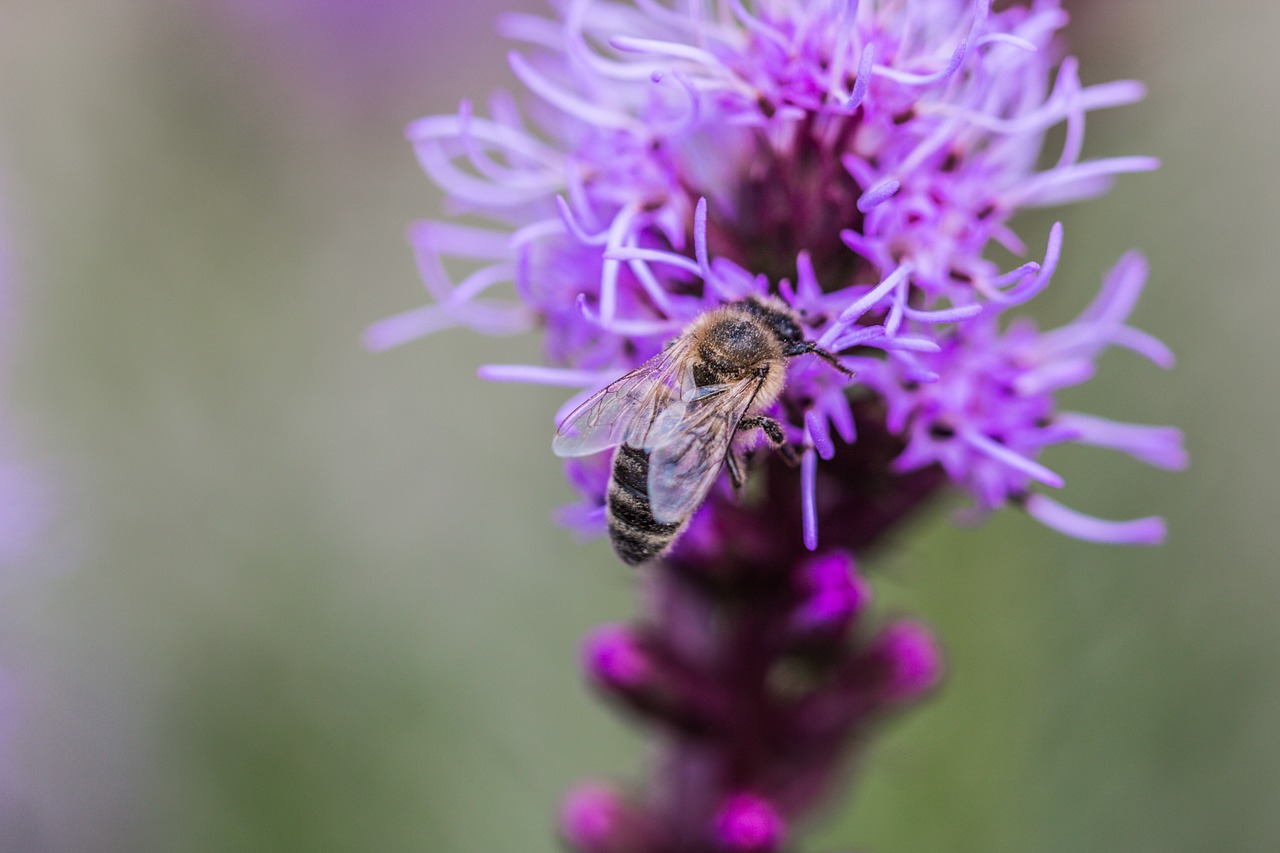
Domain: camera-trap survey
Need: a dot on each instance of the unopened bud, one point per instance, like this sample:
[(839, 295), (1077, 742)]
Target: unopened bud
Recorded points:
[(612, 657), (912, 654), (747, 823), (595, 819), (833, 594)]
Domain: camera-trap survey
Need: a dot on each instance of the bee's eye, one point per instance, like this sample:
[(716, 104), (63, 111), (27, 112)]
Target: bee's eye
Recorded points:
[(942, 430)]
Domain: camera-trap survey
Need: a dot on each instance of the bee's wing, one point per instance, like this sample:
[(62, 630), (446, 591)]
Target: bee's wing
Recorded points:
[(626, 409), (685, 459)]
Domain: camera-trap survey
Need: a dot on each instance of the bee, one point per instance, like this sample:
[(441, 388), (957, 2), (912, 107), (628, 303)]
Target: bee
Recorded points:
[(674, 419)]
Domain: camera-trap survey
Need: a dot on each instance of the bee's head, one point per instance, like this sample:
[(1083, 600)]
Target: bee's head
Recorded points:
[(780, 319)]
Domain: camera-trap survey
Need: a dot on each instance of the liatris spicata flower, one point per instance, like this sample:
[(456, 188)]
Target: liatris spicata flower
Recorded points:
[(857, 161)]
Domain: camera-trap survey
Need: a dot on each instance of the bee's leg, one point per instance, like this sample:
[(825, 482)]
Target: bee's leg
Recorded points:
[(789, 455), (735, 471), (770, 427), (773, 431)]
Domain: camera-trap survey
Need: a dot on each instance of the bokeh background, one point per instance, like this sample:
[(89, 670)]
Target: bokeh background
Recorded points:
[(291, 596)]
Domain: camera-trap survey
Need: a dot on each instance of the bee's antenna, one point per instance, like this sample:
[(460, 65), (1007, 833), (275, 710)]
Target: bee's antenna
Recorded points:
[(807, 347)]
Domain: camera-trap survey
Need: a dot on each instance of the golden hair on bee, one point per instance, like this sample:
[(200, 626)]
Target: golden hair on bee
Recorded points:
[(673, 420)]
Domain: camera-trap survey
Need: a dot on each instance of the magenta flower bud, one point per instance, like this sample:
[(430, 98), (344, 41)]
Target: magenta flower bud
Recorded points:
[(747, 823), (913, 657), (833, 594), (595, 819), (630, 670), (833, 570), (612, 658)]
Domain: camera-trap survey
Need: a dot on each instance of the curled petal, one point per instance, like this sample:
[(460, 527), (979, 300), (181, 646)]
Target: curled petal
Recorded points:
[(1160, 446), (1139, 531), (878, 194), (808, 498)]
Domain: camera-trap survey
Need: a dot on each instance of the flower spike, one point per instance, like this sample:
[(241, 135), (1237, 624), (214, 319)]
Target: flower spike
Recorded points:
[(704, 194)]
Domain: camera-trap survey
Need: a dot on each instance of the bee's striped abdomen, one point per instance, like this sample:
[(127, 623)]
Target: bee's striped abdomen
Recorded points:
[(636, 536)]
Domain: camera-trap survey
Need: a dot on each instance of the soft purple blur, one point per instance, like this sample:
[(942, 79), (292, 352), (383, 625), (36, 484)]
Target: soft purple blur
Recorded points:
[(25, 498)]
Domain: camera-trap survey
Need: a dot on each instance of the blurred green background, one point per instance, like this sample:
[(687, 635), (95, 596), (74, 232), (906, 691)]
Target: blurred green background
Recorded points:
[(298, 597)]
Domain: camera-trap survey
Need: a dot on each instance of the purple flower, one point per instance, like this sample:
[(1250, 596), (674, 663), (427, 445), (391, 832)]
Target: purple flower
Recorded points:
[(857, 161)]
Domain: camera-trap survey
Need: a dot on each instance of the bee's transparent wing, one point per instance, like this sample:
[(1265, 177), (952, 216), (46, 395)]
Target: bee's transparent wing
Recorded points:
[(685, 463), (626, 409)]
